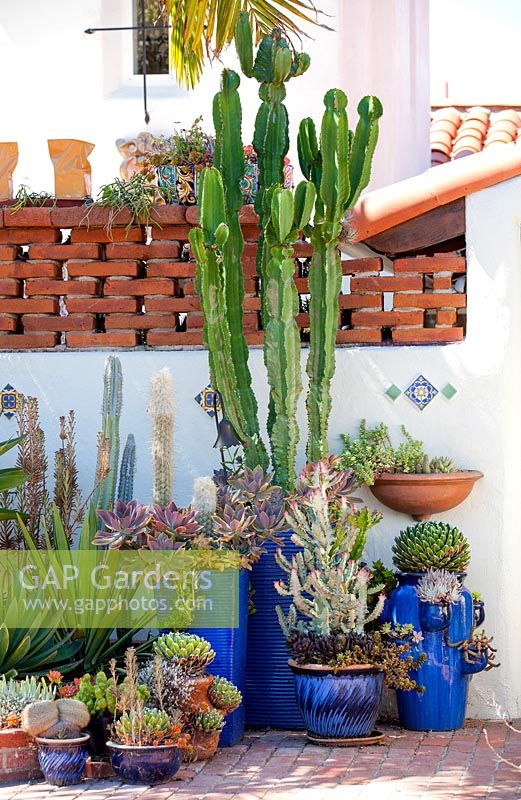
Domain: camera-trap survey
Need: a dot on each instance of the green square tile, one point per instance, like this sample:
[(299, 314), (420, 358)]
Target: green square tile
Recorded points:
[(393, 391), (449, 391)]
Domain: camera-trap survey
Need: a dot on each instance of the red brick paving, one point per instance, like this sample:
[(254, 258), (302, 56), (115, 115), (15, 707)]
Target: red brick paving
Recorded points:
[(275, 765)]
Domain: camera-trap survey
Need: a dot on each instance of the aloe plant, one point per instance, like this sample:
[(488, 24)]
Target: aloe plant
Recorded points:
[(340, 168)]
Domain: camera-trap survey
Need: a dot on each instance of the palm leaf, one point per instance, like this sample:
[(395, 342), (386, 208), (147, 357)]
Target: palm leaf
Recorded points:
[(201, 28)]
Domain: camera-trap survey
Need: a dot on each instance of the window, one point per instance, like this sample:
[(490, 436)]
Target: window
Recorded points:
[(156, 41)]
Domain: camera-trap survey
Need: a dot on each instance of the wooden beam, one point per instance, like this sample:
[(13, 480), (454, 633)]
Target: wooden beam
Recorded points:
[(429, 229)]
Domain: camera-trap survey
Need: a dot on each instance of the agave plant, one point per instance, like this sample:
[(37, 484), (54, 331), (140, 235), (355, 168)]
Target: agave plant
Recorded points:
[(426, 545), (191, 652), (124, 528)]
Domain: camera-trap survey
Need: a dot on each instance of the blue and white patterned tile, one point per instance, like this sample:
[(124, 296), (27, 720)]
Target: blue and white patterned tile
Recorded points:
[(421, 392)]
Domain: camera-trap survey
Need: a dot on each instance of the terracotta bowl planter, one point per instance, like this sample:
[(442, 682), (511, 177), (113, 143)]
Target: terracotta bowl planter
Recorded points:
[(421, 496), (205, 745)]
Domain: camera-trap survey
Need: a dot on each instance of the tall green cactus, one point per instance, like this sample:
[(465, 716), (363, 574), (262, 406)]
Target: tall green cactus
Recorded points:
[(208, 243), (274, 65), (286, 215), (127, 470), (110, 412), (229, 160), (340, 170)]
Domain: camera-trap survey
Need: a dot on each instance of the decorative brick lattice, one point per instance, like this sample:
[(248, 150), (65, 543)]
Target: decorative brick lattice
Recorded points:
[(70, 280)]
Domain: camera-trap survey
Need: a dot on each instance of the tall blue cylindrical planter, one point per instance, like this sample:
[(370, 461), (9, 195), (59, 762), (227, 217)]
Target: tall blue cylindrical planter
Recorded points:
[(230, 660), (270, 684), (444, 674)]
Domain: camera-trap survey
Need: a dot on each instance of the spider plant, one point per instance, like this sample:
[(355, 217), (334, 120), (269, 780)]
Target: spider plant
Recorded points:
[(24, 197), (137, 195)]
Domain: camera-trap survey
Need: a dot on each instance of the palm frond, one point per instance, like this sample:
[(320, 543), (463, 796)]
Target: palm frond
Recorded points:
[(204, 28)]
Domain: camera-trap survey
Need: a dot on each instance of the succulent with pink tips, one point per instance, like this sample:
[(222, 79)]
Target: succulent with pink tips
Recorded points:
[(125, 527)]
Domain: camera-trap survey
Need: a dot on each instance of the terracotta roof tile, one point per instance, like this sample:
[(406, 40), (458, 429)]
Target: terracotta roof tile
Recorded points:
[(456, 133), (389, 206)]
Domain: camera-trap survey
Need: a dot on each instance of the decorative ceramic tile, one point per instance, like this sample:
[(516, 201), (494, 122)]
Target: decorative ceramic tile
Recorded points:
[(449, 391), (206, 399), (10, 401), (393, 392), (421, 392)]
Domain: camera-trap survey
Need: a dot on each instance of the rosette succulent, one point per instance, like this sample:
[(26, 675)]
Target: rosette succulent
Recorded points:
[(15, 695), (223, 694), (191, 652), (151, 727), (125, 527), (208, 721), (438, 586), (427, 545)]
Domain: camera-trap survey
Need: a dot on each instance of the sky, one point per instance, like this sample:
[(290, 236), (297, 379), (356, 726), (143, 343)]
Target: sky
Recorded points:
[(475, 47)]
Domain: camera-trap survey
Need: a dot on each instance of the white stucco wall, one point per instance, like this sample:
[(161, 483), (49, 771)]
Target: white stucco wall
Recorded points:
[(61, 83), (480, 427)]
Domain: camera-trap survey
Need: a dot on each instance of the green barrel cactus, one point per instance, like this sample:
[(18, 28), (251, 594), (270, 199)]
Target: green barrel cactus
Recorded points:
[(191, 652), (223, 694), (340, 168), (431, 545)]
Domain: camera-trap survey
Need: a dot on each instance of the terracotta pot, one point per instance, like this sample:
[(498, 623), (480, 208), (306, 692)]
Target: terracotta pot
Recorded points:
[(199, 697), (421, 496), (204, 745)]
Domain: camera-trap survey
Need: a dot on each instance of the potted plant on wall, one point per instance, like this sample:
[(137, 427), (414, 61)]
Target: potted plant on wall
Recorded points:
[(178, 160), (405, 478), (339, 665), (432, 558)]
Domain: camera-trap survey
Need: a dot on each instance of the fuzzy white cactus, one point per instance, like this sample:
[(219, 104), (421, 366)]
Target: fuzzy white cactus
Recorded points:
[(161, 410), (204, 502)]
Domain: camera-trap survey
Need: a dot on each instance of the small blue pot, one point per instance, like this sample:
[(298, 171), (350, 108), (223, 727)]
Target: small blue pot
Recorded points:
[(62, 761), (338, 704), (145, 764), (230, 659)]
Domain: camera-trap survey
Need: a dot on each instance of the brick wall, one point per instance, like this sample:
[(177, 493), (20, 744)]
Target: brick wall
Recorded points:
[(66, 282), (18, 756)]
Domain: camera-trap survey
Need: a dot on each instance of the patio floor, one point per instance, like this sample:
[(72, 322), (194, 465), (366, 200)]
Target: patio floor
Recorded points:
[(277, 764)]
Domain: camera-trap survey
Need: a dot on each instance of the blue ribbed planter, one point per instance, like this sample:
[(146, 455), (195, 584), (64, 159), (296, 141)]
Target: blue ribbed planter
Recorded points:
[(338, 705), (445, 674), (62, 761), (270, 685), (145, 764), (230, 661)]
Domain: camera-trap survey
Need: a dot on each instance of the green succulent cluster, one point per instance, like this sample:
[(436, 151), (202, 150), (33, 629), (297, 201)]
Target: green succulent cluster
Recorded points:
[(191, 652), (99, 695), (208, 721), (223, 694), (427, 545), (15, 695), (152, 726)]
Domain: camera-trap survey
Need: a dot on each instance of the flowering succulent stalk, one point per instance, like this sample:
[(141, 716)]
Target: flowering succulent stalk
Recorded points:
[(161, 410)]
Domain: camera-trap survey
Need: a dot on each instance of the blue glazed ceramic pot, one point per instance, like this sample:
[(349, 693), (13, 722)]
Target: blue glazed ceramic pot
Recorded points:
[(230, 660), (444, 674), (145, 764), (62, 761), (341, 704), (270, 685)]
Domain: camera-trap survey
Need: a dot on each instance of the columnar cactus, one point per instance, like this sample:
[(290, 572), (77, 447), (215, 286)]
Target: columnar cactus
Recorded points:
[(340, 170), (161, 410), (127, 470), (111, 412), (204, 503), (274, 64), (285, 216), (229, 160)]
